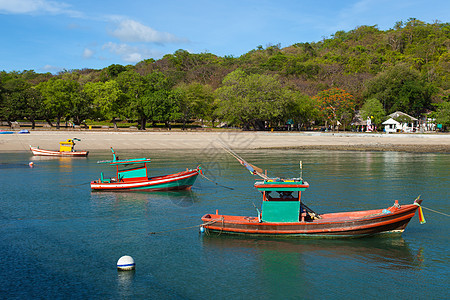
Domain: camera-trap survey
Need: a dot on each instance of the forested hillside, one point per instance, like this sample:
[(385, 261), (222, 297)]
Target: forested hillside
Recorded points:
[(378, 72)]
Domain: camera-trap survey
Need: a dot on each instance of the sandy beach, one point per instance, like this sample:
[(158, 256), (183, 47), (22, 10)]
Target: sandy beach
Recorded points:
[(165, 140)]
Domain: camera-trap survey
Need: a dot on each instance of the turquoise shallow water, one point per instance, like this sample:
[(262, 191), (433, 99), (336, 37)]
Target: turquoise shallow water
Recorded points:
[(60, 240)]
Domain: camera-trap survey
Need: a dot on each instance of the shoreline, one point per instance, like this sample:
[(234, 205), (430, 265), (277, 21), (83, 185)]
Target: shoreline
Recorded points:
[(195, 140)]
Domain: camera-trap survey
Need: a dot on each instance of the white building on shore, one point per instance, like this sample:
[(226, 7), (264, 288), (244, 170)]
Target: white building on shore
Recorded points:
[(401, 122)]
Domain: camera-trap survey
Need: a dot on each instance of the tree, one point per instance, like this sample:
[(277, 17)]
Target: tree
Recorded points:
[(112, 72), (58, 97), (373, 109), (298, 107), (34, 107), (196, 101), (107, 99), (140, 92), (443, 114), (19, 99), (157, 101), (81, 108), (335, 105), (167, 106), (133, 87), (250, 100), (14, 99)]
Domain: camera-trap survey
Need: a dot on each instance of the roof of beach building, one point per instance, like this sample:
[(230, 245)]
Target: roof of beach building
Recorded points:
[(390, 121), (399, 113), (357, 120)]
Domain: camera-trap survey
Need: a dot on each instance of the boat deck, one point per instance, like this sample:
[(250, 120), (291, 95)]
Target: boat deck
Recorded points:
[(324, 218)]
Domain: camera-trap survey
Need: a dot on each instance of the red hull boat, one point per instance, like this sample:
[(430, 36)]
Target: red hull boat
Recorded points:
[(284, 214), (178, 181), (344, 224), (131, 178)]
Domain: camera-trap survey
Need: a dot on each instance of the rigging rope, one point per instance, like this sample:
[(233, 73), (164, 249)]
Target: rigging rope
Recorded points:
[(164, 231), (253, 169), (435, 211), (204, 176)]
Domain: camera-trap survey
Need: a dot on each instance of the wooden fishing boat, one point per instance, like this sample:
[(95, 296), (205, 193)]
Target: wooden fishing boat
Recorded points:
[(284, 214), (66, 148), (130, 177)]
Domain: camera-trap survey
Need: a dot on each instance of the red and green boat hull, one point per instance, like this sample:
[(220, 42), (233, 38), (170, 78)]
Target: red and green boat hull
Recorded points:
[(178, 181)]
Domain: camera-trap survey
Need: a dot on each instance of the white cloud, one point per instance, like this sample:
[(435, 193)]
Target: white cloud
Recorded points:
[(131, 31), (87, 53), (129, 53), (51, 68), (132, 57), (37, 7)]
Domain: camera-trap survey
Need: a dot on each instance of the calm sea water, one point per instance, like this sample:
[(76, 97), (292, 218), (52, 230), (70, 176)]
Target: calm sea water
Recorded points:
[(60, 240)]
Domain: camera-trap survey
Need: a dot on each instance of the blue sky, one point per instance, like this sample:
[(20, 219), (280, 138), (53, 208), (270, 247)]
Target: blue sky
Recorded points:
[(50, 36)]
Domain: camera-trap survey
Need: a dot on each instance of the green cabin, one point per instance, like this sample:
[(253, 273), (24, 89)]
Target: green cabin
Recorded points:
[(282, 199), (126, 169)]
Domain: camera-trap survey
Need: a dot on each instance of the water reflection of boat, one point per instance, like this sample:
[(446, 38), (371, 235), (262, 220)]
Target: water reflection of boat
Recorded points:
[(182, 198), (391, 252)]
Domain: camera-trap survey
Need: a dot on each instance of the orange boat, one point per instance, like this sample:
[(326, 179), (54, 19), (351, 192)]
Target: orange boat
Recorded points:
[(284, 214)]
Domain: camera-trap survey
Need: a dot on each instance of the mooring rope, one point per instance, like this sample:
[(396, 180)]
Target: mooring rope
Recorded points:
[(21, 142), (438, 212), (176, 229), (230, 188), (75, 185)]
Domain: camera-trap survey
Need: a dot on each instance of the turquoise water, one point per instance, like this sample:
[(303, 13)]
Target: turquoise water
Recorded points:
[(60, 240)]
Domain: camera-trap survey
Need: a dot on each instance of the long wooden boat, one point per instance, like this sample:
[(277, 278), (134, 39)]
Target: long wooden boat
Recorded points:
[(66, 148), (131, 178), (284, 214)]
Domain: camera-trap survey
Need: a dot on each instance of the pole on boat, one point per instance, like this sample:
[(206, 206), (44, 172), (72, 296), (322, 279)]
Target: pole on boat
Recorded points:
[(301, 170), (259, 213), (252, 168)]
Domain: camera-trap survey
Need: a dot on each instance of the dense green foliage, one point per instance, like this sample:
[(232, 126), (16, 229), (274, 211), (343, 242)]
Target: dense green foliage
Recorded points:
[(374, 110), (443, 114), (406, 68)]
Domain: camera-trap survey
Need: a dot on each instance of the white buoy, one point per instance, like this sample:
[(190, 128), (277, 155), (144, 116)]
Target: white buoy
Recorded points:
[(202, 229), (31, 164), (125, 263)]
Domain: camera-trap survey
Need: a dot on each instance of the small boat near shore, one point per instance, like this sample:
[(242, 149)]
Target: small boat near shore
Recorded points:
[(6, 132), (66, 149), (285, 215), (130, 177)]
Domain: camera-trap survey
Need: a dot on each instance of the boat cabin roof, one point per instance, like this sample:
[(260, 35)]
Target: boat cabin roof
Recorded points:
[(70, 141), (122, 162), (279, 185), (119, 162)]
